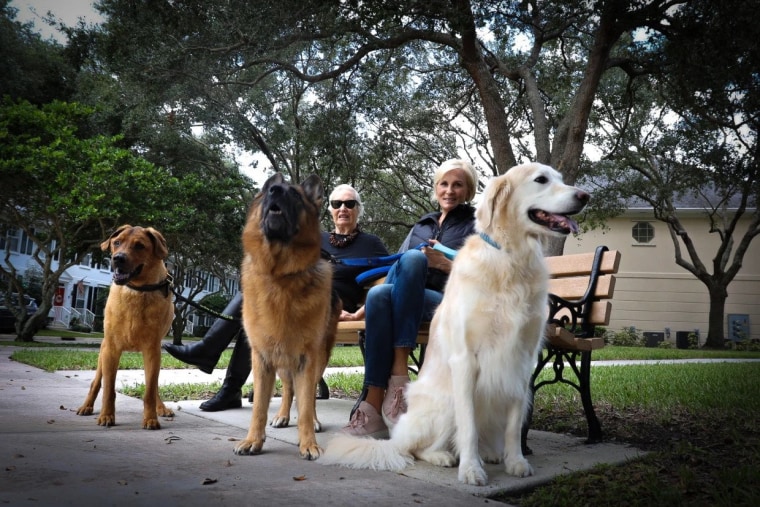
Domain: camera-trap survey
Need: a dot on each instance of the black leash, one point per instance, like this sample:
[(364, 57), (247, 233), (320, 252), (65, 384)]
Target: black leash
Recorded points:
[(167, 285), (179, 297)]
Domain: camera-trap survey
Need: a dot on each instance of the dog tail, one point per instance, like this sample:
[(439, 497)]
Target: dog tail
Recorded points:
[(364, 452)]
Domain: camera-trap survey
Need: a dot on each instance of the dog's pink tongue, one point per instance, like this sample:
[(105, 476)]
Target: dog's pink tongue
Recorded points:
[(566, 222)]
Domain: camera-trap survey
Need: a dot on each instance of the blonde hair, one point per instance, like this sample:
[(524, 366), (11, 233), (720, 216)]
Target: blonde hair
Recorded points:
[(457, 163), (341, 188)]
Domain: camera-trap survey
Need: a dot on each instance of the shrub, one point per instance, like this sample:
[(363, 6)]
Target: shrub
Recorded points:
[(748, 345), (627, 337)]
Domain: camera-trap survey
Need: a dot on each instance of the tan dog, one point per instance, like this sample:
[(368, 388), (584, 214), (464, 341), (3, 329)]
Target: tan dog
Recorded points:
[(138, 314), (473, 391), (290, 313)]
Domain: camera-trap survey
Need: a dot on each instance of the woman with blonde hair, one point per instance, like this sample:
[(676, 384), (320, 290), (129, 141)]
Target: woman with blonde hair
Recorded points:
[(411, 292)]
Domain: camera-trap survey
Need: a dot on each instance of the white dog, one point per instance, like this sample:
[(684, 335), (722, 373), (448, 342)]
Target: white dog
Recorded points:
[(473, 391)]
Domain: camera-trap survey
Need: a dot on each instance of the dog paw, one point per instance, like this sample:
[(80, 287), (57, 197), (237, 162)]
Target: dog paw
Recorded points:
[(106, 420), (248, 448), (280, 422), (518, 467), (438, 458), (151, 423), (165, 412), (84, 410), (311, 452), (317, 426), (473, 474)]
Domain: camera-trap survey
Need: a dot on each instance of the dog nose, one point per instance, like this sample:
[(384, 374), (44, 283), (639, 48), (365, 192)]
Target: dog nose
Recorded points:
[(119, 259), (276, 190), (582, 196)]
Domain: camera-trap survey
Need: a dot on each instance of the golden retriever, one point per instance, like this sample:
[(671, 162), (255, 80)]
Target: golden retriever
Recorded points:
[(138, 314), (473, 391)]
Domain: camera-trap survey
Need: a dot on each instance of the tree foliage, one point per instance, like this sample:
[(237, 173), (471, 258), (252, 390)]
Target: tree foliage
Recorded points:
[(691, 135), (31, 68), (503, 81), (67, 192)]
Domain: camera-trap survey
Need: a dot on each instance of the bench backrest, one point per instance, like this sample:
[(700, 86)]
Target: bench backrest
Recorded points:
[(581, 286)]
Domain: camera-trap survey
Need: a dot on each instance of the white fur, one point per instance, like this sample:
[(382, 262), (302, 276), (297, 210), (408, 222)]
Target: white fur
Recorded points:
[(473, 391)]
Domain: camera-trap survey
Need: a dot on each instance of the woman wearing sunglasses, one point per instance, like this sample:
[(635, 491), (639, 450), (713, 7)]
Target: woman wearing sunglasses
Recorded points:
[(345, 241), (412, 290)]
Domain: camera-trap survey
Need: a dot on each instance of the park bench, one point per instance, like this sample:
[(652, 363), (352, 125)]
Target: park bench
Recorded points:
[(581, 287)]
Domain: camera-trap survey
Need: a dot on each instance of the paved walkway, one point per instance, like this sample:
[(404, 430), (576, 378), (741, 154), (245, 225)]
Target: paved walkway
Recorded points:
[(51, 456)]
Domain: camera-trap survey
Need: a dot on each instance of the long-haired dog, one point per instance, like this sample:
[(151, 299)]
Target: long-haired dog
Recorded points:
[(473, 392), (290, 313)]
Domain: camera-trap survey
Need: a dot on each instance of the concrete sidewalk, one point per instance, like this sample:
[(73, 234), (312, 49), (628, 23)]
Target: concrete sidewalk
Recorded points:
[(51, 456)]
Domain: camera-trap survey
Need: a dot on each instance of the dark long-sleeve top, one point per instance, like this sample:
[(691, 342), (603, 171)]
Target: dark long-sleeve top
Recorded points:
[(456, 227), (344, 277)]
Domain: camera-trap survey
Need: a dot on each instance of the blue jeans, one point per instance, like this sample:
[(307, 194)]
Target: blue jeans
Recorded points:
[(394, 311)]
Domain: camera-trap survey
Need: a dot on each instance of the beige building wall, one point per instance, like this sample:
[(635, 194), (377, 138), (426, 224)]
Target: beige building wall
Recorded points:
[(653, 293)]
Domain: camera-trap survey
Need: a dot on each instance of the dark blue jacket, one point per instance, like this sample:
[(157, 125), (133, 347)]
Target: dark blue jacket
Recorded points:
[(457, 226)]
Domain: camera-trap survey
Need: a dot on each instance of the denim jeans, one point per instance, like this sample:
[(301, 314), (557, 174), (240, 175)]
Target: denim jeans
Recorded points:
[(394, 311)]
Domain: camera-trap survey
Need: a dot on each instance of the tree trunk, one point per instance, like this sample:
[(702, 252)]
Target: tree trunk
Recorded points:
[(715, 336), (178, 327), (494, 108)]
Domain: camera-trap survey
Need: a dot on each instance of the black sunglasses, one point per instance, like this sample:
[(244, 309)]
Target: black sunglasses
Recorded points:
[(349, 204)]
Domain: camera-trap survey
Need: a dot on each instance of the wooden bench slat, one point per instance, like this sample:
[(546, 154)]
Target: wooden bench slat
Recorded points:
[(580, 264), (575, 287), (348, 332), (560, 337)]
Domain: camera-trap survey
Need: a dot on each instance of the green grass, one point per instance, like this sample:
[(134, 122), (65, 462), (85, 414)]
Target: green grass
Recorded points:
[(660, 389), (611, 353), (66, 358), (67, 333)]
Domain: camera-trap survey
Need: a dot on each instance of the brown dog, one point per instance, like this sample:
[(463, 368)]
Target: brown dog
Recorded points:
[(290, 313), (138, 314)]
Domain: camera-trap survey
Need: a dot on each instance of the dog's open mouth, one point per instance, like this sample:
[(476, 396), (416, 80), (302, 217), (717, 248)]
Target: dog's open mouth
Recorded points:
[(274, 209), (277, 225), (120, 278), (554, 221)]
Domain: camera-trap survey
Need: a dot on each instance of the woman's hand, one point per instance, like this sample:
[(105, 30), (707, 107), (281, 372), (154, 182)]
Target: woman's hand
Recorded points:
[(357, 315), (436, 259)]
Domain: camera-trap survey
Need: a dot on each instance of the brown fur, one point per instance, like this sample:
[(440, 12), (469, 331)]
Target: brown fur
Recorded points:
[(289, 312), (134, 320)]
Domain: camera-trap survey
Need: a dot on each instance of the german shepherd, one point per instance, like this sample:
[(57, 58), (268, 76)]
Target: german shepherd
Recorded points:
[(290, 313), (138, 314)]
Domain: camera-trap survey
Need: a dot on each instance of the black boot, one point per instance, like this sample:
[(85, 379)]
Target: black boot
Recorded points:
[(229, 396), (205, 353)]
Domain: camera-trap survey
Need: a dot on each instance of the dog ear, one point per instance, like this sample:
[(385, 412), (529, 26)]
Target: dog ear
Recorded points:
[(160, 247), (314, 189), (496, 191), (106, 245)]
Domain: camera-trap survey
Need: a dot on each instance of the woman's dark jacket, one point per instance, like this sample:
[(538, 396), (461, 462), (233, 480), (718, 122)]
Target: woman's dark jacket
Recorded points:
[(458, 224)]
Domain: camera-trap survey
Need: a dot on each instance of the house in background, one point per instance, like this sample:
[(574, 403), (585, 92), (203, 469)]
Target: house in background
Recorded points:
[(654, 294), (76, 298)]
